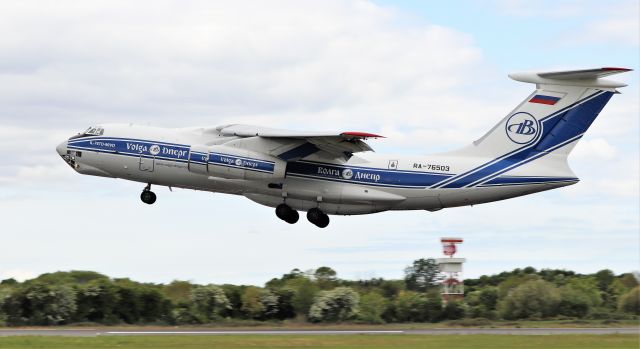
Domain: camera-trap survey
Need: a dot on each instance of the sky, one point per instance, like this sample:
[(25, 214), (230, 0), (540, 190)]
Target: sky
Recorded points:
[(430, 76)]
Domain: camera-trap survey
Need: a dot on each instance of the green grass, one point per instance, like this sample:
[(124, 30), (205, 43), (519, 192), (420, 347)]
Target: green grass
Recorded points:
[(329, 341)]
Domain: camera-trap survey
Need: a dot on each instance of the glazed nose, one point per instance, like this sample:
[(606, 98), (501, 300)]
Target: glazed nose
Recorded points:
[(62, 148)]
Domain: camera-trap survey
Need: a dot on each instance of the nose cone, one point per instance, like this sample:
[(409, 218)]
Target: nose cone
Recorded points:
[(62, 148)]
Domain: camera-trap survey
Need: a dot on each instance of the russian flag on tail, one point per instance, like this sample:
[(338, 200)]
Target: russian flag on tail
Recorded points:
[(542, 99)]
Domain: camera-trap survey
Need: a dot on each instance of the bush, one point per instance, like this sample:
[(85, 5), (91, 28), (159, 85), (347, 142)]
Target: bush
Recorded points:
[(433, 306), (40, 304), (209, 303), (453, 311), (480, 311), (372, 306), (534, 299), (573, 303), (489, 297), (336, 305), (630, 302), (410, 307)]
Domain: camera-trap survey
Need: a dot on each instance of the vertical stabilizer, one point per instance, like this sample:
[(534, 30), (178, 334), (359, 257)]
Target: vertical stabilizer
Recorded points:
[(550, 120)]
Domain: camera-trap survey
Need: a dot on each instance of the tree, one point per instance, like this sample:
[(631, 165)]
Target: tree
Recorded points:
[(178, 291), (630, 302), (628, 280), (372, 306), (154, 306), (588, 287), (279, 283), (40, 304), (234, 295), (488, 297), (336, 305), (433, 306), (209, 302), (453, 310), (305, 292), (325, 277), (573, 302), (604, 278), (73, 277), (286, 309), (410, 307), (9, 282), (535, 298), (511, 282), (96, 302), (251, 304), (269, 300), (127, 307), (422, 275), (5, 293)]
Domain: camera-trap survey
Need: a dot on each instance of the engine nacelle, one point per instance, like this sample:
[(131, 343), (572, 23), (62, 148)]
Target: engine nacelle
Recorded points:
[(235, 163)]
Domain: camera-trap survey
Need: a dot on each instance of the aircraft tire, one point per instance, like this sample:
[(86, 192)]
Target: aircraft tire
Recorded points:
[(148, 197), (318, 218), (287, 214), (292, 217)]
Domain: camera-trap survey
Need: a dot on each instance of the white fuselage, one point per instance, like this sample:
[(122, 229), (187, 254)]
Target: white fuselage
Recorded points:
[(200, 159)]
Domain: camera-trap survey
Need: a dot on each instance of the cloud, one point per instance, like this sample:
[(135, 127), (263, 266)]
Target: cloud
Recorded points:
[(216, 61), (595, 149), (618, 25), (542, 8), (612, 23)]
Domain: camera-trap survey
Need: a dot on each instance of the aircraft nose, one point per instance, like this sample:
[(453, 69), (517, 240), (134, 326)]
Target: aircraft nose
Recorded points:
[(62, 148)]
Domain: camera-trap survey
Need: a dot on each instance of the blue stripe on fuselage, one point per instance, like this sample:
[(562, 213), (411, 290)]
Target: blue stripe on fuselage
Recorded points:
[(241, 162), (133, 147), (363, 175)]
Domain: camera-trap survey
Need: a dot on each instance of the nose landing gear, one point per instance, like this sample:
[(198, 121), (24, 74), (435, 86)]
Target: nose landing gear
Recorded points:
[(147, 196), (287, 214), (317, 217)]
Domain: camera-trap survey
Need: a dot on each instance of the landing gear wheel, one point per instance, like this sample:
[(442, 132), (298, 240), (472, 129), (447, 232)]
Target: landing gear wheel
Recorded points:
[(147, 196), (287, 214), (318, 218)]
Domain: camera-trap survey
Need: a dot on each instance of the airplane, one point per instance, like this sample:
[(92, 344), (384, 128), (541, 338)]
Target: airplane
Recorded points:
[(336, 173)]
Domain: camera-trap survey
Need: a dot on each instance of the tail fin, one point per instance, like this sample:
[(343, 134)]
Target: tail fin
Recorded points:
[(549, 121)]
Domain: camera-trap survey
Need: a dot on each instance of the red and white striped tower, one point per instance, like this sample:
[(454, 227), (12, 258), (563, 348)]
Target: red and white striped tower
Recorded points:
[(451, 267)]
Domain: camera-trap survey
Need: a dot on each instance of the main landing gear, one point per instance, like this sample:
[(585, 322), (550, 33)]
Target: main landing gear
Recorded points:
[(291, 216), (287, 214), (147, 196), (317, 217)]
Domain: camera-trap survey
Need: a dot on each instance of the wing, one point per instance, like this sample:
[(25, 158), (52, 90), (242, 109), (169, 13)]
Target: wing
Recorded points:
[(298, 144)]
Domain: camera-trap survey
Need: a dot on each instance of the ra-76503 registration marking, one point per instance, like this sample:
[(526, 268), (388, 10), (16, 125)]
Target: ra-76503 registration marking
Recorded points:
[(431, 167)]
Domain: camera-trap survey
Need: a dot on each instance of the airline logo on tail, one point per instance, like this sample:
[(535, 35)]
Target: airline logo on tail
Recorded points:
[(522, 128)]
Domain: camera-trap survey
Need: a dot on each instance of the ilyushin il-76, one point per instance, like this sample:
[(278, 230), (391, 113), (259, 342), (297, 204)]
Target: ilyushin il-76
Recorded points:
[(336, 173)]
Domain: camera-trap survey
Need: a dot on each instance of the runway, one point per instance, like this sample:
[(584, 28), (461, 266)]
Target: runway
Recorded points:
[(204, 332)]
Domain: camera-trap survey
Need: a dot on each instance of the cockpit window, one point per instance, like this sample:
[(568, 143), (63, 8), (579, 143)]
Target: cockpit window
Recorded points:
[(94, 131), (91, 131)]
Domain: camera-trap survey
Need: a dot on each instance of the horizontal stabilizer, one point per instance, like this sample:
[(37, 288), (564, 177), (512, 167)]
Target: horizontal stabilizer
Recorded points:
[(584, 77)]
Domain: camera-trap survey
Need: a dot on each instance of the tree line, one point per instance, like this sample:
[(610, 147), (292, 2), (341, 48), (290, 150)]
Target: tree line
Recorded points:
[(319, 296)]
